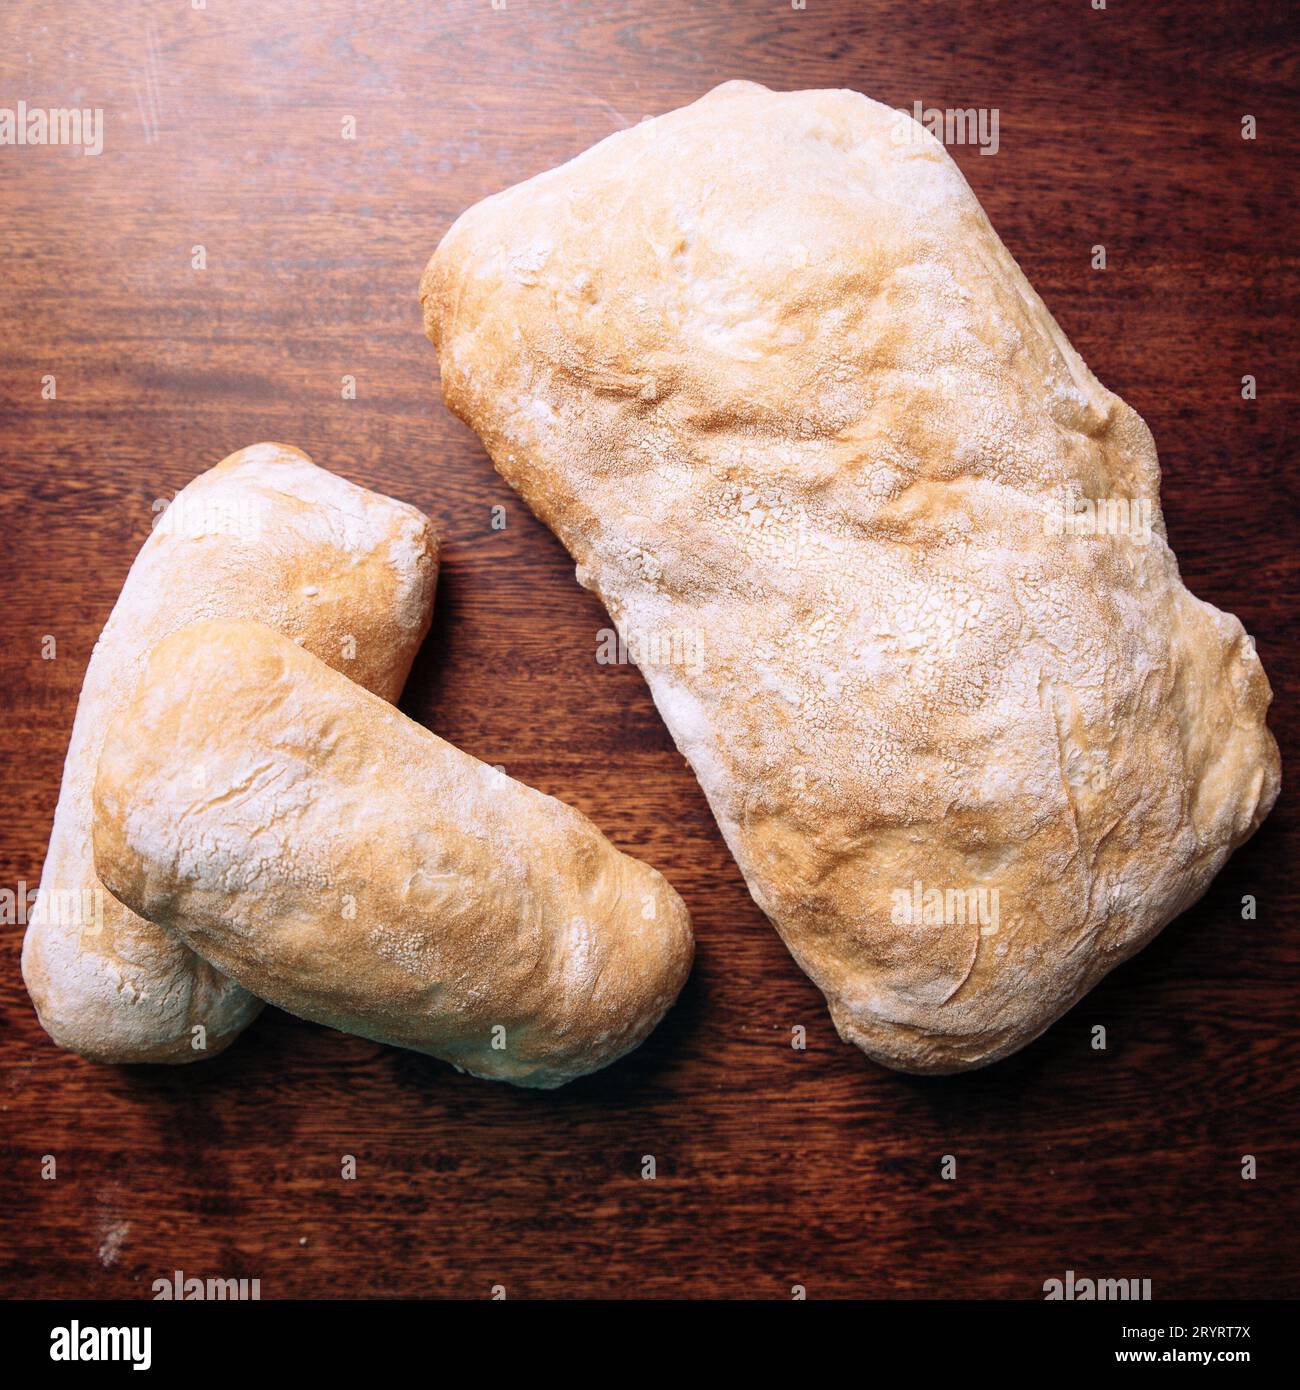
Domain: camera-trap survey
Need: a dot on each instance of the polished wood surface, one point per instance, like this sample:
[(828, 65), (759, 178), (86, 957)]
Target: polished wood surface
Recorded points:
[(224, 129)]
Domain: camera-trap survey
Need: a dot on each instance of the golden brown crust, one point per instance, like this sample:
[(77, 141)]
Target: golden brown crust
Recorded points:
[(344, 863), (770, 374), (264, 534)]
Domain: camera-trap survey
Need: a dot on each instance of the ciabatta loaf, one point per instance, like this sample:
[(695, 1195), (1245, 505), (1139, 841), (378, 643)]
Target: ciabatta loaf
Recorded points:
[(265, 534), (346, 864), (891, 556)]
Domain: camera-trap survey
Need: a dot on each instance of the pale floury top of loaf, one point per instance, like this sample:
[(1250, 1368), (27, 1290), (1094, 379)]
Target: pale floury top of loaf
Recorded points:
[(344, 863), (767, 370), (265, 534)]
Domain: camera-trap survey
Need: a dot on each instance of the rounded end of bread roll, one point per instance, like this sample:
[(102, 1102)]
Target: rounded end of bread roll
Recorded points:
[(610, 997), (109, 1008), (356, 570)]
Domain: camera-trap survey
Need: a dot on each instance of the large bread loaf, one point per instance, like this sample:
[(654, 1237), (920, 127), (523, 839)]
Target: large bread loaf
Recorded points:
[(892, 556)]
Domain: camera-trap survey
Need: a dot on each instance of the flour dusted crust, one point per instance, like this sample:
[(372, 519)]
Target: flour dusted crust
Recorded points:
[(268, 535), (346, 864), (767, 370)]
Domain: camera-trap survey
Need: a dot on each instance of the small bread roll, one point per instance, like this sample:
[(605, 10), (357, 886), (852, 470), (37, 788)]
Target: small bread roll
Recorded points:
[(267, 535), (342, 862)]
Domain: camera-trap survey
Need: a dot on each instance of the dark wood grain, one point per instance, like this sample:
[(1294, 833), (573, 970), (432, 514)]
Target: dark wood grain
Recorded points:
[(223, 128)]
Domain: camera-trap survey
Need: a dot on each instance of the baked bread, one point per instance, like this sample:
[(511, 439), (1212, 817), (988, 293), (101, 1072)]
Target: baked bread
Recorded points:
[(265, 534), (766, 369), (344, 863)]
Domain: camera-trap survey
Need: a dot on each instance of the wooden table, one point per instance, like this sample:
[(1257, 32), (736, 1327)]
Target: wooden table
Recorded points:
[(224, 129)]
